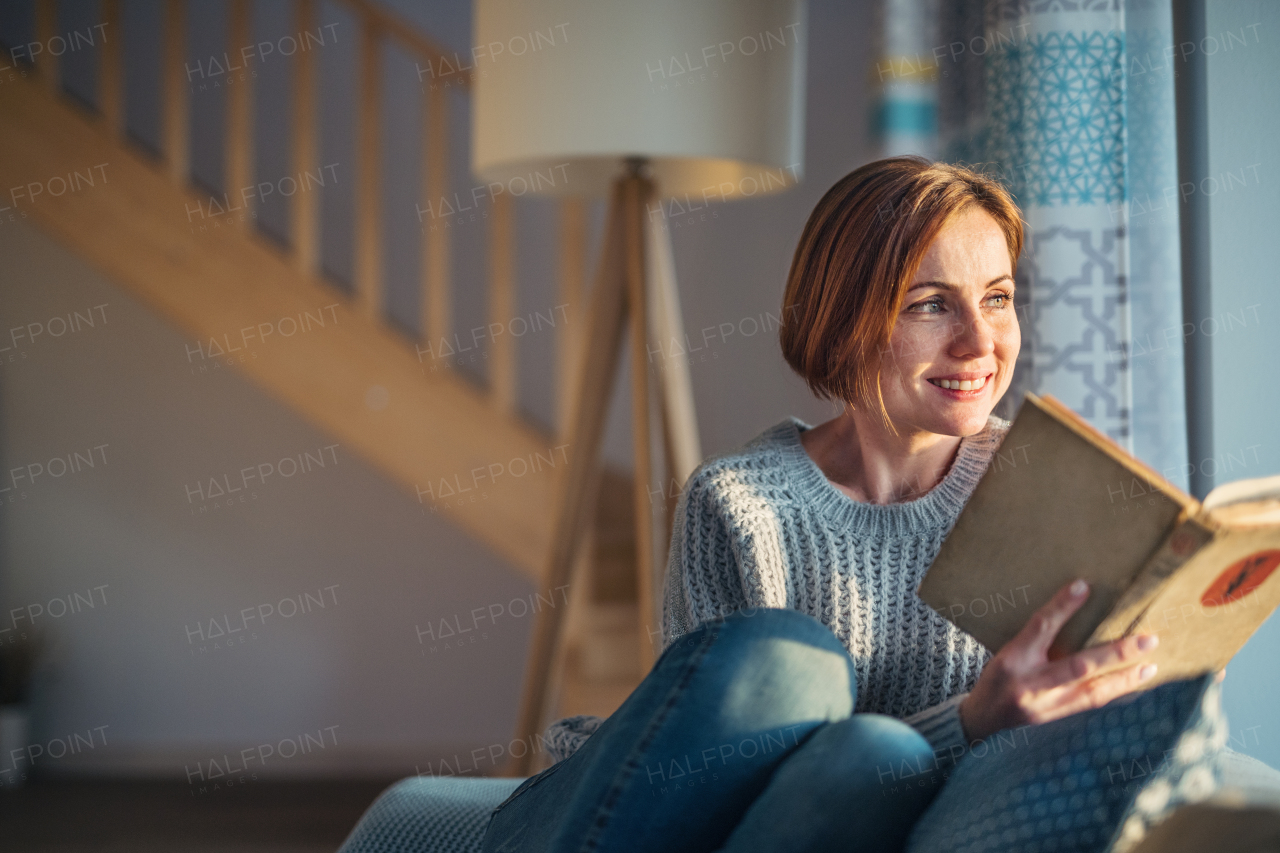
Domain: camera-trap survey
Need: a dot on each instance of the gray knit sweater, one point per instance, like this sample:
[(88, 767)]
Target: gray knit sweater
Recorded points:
[(763, 527)]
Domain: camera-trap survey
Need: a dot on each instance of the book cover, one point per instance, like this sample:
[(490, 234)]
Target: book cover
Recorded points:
[(1061, 501)]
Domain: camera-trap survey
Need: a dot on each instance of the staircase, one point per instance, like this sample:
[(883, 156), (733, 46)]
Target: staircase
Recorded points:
[(355, 374)]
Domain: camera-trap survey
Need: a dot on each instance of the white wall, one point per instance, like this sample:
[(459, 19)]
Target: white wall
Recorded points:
[(1244, 210)]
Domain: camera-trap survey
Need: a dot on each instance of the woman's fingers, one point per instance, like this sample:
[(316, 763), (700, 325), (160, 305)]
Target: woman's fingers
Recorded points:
[(1020, 685), (1033, 641), (1096, 692), (1089, 663)]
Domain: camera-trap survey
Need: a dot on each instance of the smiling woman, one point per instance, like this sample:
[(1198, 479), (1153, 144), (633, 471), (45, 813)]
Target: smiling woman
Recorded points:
[(790, 603), (905, 272), (900, 303)]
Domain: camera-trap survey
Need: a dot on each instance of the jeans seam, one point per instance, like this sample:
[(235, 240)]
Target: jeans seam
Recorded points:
[(627, 769), (531, 782)]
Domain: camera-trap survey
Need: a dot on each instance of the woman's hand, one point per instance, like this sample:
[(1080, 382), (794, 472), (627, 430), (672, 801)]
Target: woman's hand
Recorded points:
[(1020, 685)]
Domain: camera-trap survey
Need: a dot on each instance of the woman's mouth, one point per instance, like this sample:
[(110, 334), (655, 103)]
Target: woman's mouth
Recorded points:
[(962, 385)]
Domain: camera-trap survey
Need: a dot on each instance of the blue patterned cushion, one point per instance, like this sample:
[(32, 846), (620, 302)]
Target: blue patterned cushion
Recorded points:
[(431, 814), (1094, 781)]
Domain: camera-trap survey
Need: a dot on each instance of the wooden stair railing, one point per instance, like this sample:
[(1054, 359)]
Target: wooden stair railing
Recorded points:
[(527, 503), (214, 284)]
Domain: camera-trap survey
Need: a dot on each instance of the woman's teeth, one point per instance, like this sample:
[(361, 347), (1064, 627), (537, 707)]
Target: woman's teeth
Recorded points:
[(960, 384)]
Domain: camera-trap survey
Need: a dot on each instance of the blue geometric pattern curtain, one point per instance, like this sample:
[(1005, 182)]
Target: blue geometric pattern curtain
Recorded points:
[(1150, 217), (1070, 102), (906, 112)]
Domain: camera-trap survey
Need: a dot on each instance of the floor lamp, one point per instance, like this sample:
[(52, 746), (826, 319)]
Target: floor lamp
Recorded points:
[(665, 99)]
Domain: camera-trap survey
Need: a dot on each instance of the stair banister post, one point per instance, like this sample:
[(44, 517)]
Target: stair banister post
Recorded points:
[(436, 305), (110, 72), (369, 167), (305, 204), (46, 61), (502, 276), (571, 280), (238, 141), (177, 103)]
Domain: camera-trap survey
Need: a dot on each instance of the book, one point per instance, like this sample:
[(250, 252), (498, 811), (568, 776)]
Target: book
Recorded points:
[(1060, 500)]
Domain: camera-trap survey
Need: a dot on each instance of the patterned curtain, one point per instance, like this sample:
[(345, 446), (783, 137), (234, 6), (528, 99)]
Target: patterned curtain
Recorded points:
[(905, 71), (1070, 102)]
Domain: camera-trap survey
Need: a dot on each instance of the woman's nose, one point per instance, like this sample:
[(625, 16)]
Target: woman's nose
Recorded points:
[(971, 337)]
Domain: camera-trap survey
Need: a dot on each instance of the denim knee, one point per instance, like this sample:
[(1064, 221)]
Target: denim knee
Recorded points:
[(854, 784), (777, 655), (871, 759)]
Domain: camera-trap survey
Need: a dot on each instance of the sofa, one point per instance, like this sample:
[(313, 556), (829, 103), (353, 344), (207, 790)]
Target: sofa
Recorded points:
[(1102, 781)]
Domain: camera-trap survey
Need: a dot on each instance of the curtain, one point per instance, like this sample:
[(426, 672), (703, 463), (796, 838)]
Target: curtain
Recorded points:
[(906, 112), (1070, 103)]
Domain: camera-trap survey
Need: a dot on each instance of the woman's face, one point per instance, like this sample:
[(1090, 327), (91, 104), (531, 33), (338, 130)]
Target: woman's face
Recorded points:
[(955, 341)]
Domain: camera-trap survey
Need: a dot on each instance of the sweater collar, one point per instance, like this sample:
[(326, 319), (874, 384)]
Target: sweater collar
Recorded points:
[(938, 508)]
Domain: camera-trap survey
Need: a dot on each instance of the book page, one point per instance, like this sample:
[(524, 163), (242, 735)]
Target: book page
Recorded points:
[(1211, 606), (1247, 514), (1262, 488)]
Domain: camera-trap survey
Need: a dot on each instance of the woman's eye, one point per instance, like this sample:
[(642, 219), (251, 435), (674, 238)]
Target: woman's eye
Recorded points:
[(929, 306), (1001, 299)]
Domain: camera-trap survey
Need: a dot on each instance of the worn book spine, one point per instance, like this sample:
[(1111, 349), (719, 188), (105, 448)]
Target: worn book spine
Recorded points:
[(1189, 534)]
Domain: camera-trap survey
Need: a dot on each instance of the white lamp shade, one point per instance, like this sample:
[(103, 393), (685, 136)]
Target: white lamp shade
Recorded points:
[(709, 92)]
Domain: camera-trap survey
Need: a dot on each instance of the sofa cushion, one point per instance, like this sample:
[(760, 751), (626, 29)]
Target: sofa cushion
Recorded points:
[(429, 814), (1095, 781), (1233, 821)]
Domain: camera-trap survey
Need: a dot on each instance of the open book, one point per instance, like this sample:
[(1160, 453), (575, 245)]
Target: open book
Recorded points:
[(1060, 500)]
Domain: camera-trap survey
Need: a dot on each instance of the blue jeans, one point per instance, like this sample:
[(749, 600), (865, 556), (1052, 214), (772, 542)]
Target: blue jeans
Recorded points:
[(742, 738)]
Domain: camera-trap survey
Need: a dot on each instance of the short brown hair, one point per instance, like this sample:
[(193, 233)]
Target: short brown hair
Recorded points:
[(855, 260)]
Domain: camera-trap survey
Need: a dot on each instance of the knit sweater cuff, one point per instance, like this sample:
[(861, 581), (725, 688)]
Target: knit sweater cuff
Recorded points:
[(565, 737), (942, 728)]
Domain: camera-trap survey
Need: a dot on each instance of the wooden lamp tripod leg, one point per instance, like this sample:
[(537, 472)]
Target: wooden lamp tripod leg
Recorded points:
[(636, 276), (648, 590), (676, 385), (598, 366), (683, 450)]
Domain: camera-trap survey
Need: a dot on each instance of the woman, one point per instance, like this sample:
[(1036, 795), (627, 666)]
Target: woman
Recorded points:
[(801, 673)]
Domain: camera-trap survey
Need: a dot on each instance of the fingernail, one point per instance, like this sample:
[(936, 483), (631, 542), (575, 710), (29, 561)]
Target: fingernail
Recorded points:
[(1147, 642), (1146, 672), (1079, 588)]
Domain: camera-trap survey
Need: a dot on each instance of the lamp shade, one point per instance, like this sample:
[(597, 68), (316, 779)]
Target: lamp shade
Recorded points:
[(709, 92)]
